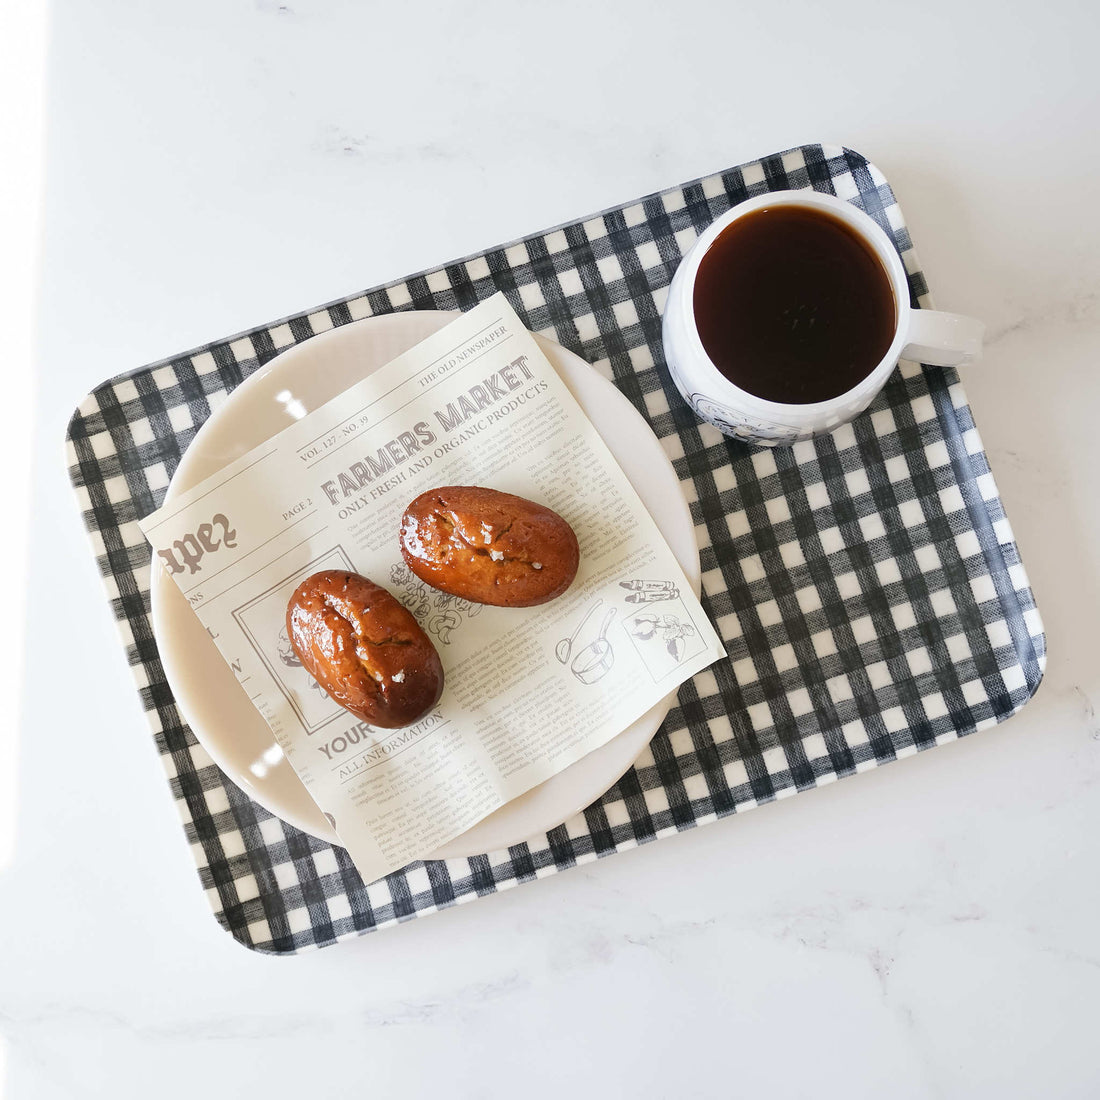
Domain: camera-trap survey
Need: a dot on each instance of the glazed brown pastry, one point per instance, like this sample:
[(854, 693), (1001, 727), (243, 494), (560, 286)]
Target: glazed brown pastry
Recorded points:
[(489, 547), (364, 648)]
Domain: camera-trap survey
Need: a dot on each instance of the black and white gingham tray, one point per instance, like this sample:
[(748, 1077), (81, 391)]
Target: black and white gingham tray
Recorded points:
[(866, 584)]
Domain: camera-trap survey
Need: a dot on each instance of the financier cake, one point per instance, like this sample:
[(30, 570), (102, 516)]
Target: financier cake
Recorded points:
[(489, 547), (364, 648)]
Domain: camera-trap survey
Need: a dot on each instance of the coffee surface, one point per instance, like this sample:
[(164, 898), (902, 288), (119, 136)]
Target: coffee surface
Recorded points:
[(792, 306)]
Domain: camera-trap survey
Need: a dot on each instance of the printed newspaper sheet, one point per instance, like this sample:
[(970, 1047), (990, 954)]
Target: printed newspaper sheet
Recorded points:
[(528, 691)]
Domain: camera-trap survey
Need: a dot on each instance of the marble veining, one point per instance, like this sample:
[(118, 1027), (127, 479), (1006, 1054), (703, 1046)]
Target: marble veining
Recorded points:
[(925, 930)]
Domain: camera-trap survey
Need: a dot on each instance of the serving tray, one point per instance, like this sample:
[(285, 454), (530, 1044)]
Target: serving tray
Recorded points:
[(866, 583)]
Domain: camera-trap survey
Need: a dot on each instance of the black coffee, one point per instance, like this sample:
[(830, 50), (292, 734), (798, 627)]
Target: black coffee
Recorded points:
[(793, 306)]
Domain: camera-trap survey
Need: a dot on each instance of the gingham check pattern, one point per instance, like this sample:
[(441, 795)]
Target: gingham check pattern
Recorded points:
[(866, 584)]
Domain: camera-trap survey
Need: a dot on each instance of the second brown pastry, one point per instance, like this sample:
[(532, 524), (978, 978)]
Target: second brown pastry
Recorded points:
[(364, 648), (489, 547)]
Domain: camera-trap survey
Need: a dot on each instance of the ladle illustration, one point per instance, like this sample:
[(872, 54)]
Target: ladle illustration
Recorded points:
[(565, 646), (596, 658)]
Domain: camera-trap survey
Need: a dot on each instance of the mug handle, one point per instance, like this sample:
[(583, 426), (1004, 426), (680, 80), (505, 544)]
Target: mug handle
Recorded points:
[(943, 339)]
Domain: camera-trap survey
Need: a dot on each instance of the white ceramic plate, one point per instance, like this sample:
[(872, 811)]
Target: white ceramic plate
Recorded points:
[(217, 708)]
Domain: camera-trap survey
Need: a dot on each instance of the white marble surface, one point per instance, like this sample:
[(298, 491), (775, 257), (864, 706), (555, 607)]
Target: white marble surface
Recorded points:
[(924, 930)]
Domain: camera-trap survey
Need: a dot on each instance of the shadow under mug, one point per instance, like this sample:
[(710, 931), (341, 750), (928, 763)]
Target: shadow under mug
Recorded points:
[(926, 336)]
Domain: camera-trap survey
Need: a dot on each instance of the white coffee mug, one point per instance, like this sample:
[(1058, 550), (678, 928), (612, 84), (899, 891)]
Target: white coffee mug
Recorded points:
[(926, 336)]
